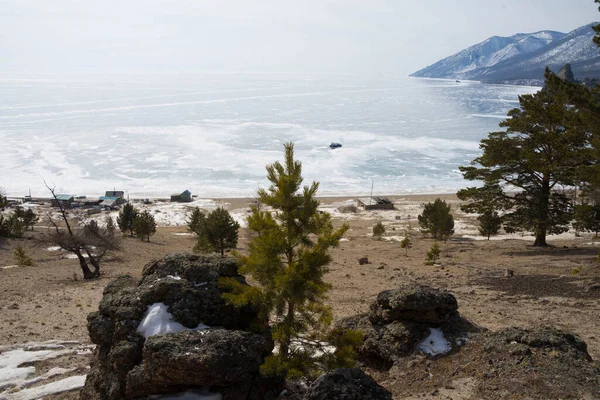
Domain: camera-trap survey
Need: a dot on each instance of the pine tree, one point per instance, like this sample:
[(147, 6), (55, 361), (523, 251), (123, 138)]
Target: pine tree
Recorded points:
[(217, 232), (433, 254), (406, 243), (21, 257), (3, 199), (110, 225), (195, 220), (485, 201), (546, 145), (144, 225), (489, 223), (378, 230), (287, 258), (126, 218), (437, 220)]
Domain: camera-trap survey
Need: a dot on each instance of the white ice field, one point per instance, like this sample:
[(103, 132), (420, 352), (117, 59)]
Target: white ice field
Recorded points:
[(214, 134)]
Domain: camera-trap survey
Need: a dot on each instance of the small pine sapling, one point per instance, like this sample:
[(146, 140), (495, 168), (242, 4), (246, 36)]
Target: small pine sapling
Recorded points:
[(196, 220), (21, 257), (406, 244), (110, 225), (126, 218), (378, 230), (434, 254), (144, 225)]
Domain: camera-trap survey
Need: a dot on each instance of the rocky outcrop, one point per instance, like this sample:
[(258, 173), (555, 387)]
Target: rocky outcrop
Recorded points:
[(346, 384), (226, 356), (566, 73), (419, 304), (537, 363), (400, 319)]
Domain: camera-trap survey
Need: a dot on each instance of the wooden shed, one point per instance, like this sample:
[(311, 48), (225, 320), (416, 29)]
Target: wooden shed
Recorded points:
[(183, 197), (64, 200), (376, 203)]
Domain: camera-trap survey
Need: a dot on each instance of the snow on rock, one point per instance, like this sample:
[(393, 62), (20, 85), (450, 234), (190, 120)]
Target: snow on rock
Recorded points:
[(435, 343), (189, 395), (159, 321)]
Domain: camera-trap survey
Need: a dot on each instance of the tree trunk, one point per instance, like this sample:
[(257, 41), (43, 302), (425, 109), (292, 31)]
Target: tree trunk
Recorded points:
[(87, 272), (95, 264), (544, 213), (287, 329)]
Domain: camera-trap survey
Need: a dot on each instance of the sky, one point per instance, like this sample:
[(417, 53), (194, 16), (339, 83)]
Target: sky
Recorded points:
[(305, 36)]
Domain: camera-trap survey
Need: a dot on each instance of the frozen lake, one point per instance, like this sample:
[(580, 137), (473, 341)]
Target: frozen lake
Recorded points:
[(213, 134)]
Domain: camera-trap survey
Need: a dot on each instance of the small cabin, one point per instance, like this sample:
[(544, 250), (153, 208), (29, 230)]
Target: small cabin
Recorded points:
[(109, 201), (63, 200), (376, 203), (119, 195), (183, 197)]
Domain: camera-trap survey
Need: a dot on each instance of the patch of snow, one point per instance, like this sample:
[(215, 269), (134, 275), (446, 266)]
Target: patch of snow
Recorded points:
[(53, 248), (17, 366), (176, 277), (393, 238), (344, 240), (189, 395), (200, 284), (9, 266), (159, 321), (73, 256), (63, 385), (435, 343), (588, 244), (183, 234)]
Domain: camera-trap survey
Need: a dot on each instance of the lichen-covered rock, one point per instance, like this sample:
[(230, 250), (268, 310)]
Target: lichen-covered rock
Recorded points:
[(420, 304), (126, 365), (543, 362), (346, 384), (400, 319), (217, 358)]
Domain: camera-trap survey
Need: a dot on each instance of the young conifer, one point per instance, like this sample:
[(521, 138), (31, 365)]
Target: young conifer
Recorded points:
[(406, 244), (126, 218), (144, 225), (288, 258), (378, 230)]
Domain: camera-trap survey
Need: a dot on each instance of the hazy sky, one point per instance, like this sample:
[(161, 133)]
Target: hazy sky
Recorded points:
[(339, 36)]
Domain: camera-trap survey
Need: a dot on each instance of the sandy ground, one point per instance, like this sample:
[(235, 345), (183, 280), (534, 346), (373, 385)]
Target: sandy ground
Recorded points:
[(49, 301)]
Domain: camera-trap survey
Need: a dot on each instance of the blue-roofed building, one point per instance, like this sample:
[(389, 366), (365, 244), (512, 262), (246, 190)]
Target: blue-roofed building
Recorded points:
[(119, 195), (109, 201), (183, 197), (64, 200)]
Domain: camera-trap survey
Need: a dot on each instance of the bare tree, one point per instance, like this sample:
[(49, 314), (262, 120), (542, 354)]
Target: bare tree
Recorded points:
[(82, 237)]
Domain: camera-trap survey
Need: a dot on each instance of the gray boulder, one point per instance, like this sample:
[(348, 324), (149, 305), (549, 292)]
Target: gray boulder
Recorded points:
[(421, 304), (346, 384), (217, 358), (400, 319), (126, 365)]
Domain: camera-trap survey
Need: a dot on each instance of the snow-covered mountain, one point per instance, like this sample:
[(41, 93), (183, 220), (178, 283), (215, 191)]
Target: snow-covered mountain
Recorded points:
[(523, 56)]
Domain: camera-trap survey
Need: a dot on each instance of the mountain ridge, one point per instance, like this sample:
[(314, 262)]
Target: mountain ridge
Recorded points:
[(521, 57)]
